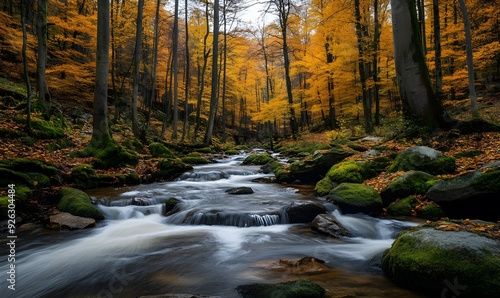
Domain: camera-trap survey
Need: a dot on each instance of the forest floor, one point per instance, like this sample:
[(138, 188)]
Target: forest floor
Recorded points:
[(488, 143)]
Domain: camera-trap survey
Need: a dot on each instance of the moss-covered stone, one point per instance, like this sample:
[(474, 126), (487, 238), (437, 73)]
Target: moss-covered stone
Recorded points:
[(403, 206), (42, 129), (488, 181), (132, 179), (29, 165), (423, 159), (430, 261), (289, 289), (78, 203), (258, 159), (195, 160), (411, 183), (4, 207), (469, 153), (347, 171), (108, 154), (171, 206), (84, 176), (169, 168), (430, 211), (323, 187), (232, 152), (375, 166), (157, 149), (355, 198), (33, 173), (8, 176)]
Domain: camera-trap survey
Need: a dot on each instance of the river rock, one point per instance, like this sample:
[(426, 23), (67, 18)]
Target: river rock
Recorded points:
[(314, 167), (422, 158), (289, 289), (303, 211), (355, 198), (327, 224), (304, 265), (445, 263), (240, 191), (78, 203), (171, 206), (67, 221), (169, 168), (140, 202), (411, 183), (470, 195)]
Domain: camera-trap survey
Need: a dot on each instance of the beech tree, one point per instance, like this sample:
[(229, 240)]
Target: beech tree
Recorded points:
[(137, 67), (41, 28)]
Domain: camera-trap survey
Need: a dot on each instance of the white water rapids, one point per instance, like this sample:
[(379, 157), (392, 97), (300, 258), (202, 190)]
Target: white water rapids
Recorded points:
[(138, 251)]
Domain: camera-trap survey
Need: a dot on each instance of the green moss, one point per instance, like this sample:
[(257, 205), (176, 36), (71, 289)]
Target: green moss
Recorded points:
[(374, 167), (4, 207), (206, 150), (43, 129), (28, 141), (169, 168), (78, 203), (59, 144), (411, 183), (418, 265), (84, 176), (289, 289), (39, 180), (354, 197), (430, 211), (258, 159), (470, 153), (232, 152), (8, 176), (488, 181), (357, 147), (403, 207), (323, 187), (195, 160), (159, 150), (132, 179), (416, 161), (347, 171), (29, 165)]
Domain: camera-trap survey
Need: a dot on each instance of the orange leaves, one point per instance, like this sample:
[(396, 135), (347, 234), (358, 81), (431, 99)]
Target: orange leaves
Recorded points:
[(491, 230)]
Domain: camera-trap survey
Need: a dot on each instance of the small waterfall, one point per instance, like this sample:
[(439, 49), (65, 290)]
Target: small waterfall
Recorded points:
[(130, 211), (232, 218)]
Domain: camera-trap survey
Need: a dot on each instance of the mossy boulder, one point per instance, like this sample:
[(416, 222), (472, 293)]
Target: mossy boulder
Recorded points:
[(244, 190), (4, 207), (303, 211), (324, 187), (43, 129), (423, 159), (289, 289), (258, 159), (171, 206), (195, 160), (78, 203), (437, 262), (109, 154), (84, 176), (403, 206), (411, 183), (346, 171), (355, 198), (470, 195), (169, 168), (430, 211), (157, 149)]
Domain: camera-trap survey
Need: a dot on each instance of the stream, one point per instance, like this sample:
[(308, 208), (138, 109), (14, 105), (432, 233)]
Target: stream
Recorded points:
[(213, 244)]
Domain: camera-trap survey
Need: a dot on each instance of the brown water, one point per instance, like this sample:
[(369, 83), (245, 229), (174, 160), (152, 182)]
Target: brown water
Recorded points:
[(137, 251)]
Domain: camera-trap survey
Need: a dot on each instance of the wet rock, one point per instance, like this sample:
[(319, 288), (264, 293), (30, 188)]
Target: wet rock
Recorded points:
[(78, 203), (411, 183), (169, 168), (424, 159), (355, 198), (67, 221), (305, 265), (289, 289), (470, 195), (403, 206), (428, 260), (258, 159), (326, 224), (303, 211), (314, 167), (171, 206), (240, 191), (140, 202)]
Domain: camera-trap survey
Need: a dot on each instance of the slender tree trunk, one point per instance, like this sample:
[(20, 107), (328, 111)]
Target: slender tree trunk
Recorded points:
[(332, 120), (470, 64), (419, 101), (29, 94), (155, 62), (100, 133), (224, 81), (43, 91), (437, 48), (137, 68), (175, 49), (376, 46), (113, 60), (185, 128), (213, 96)]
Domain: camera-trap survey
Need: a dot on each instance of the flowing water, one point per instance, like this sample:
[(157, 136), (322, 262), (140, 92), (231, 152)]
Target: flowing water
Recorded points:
[(214, 243)]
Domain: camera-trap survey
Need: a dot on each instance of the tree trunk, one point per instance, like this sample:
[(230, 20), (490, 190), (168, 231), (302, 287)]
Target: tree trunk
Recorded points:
[(43, 91), (224, 81), (155, 63), (437, 48), (213, 96), (175, 68), (332, 120), (419, 101), (185, 128), (470, 64), (376, 46), (137, 68), (29, 94), (100, 133)]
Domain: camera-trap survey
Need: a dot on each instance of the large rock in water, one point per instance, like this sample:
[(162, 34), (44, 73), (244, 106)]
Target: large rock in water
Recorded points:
[(303, 211), (355, 198), (423, 159), (445, 263), (67, 221), (78, 203), (411, 183), (313, 167), (471, 195), (327, 224), (289, 289)]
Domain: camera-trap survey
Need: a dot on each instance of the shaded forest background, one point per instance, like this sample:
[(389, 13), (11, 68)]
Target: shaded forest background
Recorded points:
[(340, 63)]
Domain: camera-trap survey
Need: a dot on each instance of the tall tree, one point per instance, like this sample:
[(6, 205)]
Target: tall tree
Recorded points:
[(155, 62), (419, 101), (175, 68), (25, 65), (470, 64), (283, 8), (41, 27), (187, 66), (213, 96), (100, 134), (137, 68), (437, 48)]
